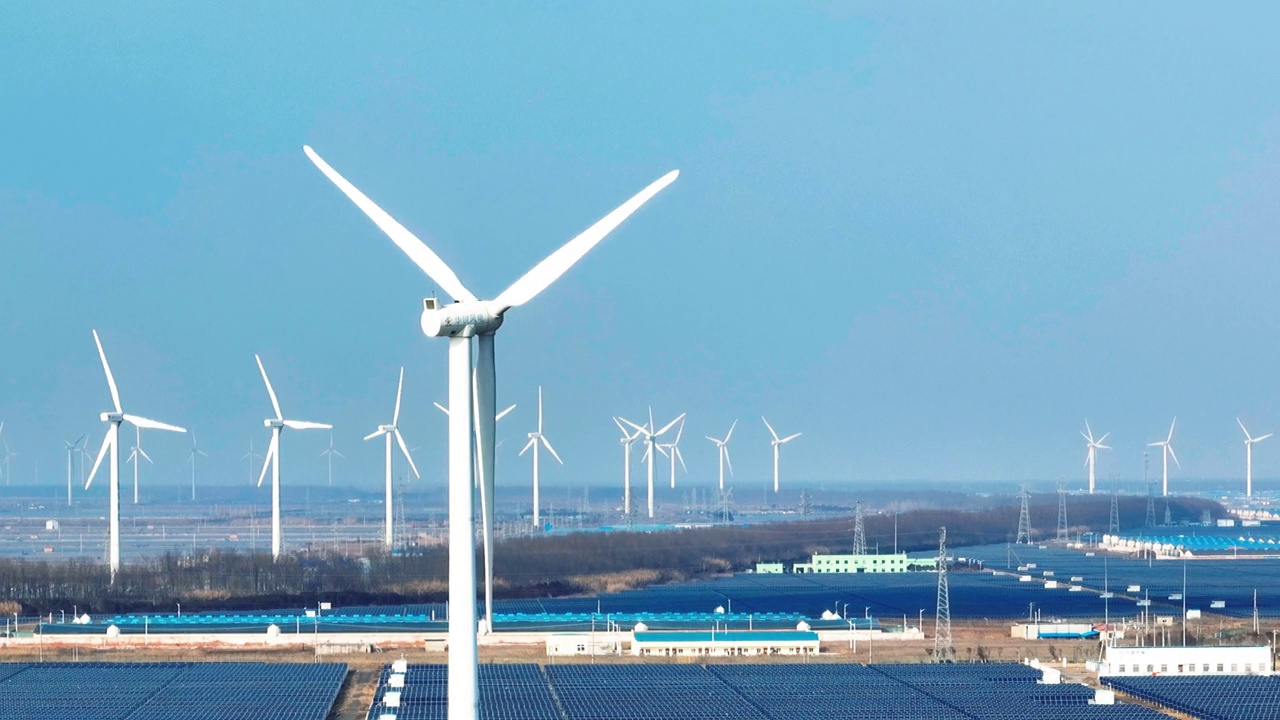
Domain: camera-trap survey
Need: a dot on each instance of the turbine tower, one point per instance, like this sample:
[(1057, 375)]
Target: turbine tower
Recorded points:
[(136, 453), (192, 459), (272, 462), (777, 443), (671, 450), (330, 452), (111, 445), (650, 440), (1166, 450), (722, 447), (628, 438), (535, 439), (8, 454), (1248, 457), (388, 432), (470, 317), (1092, 448), (72, 449)]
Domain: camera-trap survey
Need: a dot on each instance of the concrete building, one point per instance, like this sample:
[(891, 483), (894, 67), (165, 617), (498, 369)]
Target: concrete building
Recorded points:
[(896, 563), (1149, 661), (568, 644), (736, 642)]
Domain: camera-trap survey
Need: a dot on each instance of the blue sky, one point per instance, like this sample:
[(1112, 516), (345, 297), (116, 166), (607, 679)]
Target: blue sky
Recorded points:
[(932, 238)]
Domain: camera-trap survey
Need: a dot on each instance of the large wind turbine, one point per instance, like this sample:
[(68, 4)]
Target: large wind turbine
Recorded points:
[(470, 317), (672, 451), (777, 443), (330, 452), (136, 455), (72, 449), (722, 446), (535, 439), (1248, 457), (389, 431), (1092, 448), (272, 461), (111, 444), (650, 440), (191, 460), (628, 437), (1166, 450)]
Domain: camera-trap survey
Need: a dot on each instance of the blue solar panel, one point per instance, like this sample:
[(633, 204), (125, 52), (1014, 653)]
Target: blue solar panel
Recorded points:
[(1213, 698)]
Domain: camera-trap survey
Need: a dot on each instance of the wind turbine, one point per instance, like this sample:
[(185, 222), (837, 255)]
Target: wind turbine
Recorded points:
[(389, 431), (136, 454), (111, 444), (8, 454), (471, 317), (628, 438), (277, 424), (1166, 450), (723, 447), (1092, 448), (777, 443), (672, 450), (72, 448), (650, 440), (536, 438), (251, 456), (1248, 457), (191, 460), (85, 456), (330, 452)]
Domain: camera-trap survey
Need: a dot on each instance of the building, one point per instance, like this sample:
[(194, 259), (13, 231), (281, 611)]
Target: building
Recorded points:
[(567, 644), (771, 568), (724, 643), (1186, 661), (896, 563), (1054, 631)]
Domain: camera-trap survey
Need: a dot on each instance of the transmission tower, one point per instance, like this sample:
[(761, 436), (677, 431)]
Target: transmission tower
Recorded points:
[(1024, 520), (725, 507), (805, 502), (1113, 527), (1150, 520), (859, 532), (942, 650), (1168, 516), (403, 540), (1062, 514)]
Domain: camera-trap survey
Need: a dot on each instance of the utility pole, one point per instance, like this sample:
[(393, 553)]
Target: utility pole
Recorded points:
[(942, 650), (859, 532)]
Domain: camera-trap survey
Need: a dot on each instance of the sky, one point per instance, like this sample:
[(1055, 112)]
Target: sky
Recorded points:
[(933, 237)]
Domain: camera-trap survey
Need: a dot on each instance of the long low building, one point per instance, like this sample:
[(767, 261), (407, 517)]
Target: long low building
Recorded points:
[(1185, 661), (894, 563), (737, 642)]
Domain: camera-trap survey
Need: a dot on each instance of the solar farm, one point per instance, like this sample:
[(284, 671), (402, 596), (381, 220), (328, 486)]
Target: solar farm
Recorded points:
[(1220, 698), (752, 692), (162, 691)]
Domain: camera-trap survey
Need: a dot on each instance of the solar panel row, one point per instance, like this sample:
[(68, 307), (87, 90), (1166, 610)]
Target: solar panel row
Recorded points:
[(1212, 698)]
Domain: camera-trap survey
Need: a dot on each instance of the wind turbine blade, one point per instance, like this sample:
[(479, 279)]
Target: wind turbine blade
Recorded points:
[(102, 453), (1242, 429), (80, 443), (771, 432), (547, 444), (503, 414), (1155, 444), (679, 433), (111, 381), (405, 449), (637, 428), (418, 252), (669, 425), (727, 461), (662, 449), (142, 422), (275, 404), (556, 264), (145, 456), (532, 441), (305, 425), (788, 438), (714, 440), (1086, 438), (1173, 455), (395, 417), (680, 457), (1171, 426), (272, 449), (539, 408), (1264, 437), (335, 452), (376, 433), (441, 408), (730, 433), (1103, 439), (1100, 446), (205, 454)]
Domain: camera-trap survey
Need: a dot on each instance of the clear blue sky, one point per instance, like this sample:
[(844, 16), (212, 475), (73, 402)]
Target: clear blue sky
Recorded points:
[(932, 238)]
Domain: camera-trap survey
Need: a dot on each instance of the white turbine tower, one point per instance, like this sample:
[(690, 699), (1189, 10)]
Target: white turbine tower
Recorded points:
[(272, 461), (1166, 451), (1092, 448), (650, 441), (777, 443), (8, 454), (137, 454), (388, 432), (72, 449), (671, 450), (329, 454), (470, 317), (192, 459), (535, 439), (628, 437), (722, 446), (111, 444), (1248, 457)]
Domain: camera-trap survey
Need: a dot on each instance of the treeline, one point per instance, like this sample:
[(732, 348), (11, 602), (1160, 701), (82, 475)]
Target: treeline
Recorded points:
[(533, 566)]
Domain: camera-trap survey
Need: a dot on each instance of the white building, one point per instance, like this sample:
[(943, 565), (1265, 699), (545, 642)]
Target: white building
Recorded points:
[(1186, 661), (736, 642), (566, 644)]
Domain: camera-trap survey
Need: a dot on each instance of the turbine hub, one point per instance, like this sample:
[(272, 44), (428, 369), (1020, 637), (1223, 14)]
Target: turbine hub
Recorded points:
[(459, 319), (112, 417), (273, 423)]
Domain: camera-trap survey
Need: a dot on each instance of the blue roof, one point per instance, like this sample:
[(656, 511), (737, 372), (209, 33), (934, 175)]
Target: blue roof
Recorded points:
[(730, 636)]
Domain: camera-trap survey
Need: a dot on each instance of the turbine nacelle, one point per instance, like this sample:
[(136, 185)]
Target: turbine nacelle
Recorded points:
[(112, 417), (460, 319), (273, 423)]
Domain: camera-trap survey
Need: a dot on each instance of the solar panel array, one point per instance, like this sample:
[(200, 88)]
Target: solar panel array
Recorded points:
[(162, 691), (991, 691), (1211, 698)]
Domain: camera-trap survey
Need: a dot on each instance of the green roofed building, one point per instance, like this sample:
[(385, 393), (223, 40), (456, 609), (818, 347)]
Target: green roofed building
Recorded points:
[(896, 563)]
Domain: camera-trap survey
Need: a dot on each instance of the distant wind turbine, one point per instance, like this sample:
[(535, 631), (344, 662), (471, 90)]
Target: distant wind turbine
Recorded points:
[(191, 460), (388, 432), (1248, 457), (628, 437), (8, 454), (252, 458), (72, 449), (1166, 451), (722, 446), (535, 439), (1092, 448), (137, 454), (777, 443), (650, 439), (330, 452), (672, 451)]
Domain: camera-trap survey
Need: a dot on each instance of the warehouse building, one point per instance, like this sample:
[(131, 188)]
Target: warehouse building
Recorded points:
[(895, 563), (1185, 661), (735, 643)]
